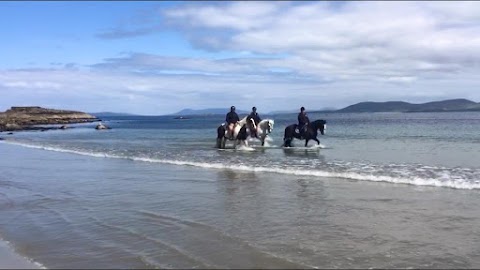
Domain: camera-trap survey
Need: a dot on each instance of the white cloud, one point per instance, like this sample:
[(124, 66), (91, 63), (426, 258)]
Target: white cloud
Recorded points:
[(31, 84), (236, 15), (392, 36), (313, 54)]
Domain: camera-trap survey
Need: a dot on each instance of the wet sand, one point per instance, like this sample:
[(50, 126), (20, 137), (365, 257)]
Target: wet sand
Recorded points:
[(71, 211), (11, 260)]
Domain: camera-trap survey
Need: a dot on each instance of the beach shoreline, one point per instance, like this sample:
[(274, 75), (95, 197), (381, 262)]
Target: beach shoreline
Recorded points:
[(69, 210), (9, 259)]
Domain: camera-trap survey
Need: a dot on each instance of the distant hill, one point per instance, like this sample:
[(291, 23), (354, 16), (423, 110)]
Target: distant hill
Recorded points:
[(103, 114), (450, 105), (298, 110), (282, 112), (400, 106), (210, 111)]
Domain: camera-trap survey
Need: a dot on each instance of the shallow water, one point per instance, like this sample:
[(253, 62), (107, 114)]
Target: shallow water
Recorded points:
[(145, 195), (435, 149)]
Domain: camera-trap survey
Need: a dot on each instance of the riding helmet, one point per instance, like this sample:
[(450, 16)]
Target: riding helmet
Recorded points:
[(302, 109)]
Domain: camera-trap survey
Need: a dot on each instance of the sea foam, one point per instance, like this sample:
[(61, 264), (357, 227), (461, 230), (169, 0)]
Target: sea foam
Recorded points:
[(445, 181)]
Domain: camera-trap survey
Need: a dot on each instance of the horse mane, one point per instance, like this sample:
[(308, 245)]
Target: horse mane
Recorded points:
[(266, 120), (319, 121), (243, 121)]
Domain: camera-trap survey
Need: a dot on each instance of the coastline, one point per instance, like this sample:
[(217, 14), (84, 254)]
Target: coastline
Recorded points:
[(96, 212), (31, 118), (9, 259)]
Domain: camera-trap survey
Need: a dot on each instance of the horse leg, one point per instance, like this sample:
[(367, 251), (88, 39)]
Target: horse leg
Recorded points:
[(220, 136), (318, 142), (306, 142), (243, 142), (220, 142)]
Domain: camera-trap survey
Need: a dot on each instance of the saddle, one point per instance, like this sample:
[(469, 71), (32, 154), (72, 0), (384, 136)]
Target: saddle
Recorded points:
[(301, 131)]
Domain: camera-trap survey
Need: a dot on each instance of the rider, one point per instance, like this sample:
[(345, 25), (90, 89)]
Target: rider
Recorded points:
[(231, 119), (303, 121), (256, 118)]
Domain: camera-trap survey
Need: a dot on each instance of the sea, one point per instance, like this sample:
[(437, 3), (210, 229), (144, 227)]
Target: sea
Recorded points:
[(382, 190)]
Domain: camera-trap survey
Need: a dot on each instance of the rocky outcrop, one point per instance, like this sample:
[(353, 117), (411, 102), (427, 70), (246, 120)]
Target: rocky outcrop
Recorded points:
[(102, 126), (28, 118)]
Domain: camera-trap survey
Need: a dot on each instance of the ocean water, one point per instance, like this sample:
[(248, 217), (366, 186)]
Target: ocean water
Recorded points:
[(384, 190), (437, 149)]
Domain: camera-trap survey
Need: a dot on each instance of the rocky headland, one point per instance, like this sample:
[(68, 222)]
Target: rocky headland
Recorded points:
[(29, 118)]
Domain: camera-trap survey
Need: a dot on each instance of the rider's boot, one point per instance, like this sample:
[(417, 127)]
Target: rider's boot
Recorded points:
[(302, 131)]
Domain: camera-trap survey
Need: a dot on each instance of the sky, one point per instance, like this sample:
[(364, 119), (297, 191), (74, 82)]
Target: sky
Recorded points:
[(159, 57)]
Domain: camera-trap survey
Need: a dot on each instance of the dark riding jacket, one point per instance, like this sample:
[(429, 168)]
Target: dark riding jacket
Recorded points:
[(303, 119), (255, 117), (232, 118)]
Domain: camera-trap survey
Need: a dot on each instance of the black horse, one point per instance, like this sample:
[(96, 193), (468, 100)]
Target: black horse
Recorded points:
[(309, 134)]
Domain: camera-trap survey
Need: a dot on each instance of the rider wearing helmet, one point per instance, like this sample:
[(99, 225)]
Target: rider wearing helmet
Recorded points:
[(303, 121), (256, 118), (231, 119)]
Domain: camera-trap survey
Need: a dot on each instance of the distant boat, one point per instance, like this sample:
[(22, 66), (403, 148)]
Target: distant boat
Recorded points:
[(181, 117)]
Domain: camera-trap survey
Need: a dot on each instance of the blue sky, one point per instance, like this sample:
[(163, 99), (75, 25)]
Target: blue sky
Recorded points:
[(160, 57)]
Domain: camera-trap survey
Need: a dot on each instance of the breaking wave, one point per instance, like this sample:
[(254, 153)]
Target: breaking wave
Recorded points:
[(441, 179)]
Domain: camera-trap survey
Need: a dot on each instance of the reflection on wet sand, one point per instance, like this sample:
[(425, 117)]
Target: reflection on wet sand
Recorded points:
[(314, 152), (231, 174)]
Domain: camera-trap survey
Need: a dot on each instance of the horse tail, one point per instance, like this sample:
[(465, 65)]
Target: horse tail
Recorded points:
[(220, 137), (287, 134), (221, 131), (286, 139)]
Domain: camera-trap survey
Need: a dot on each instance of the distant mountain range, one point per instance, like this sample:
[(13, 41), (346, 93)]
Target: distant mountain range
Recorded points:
[(450, 105), (210, 111), (103, 114), (216, 111)]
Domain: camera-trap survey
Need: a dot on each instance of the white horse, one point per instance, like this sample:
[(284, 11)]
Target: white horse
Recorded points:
[(264, 128), (222, 133)]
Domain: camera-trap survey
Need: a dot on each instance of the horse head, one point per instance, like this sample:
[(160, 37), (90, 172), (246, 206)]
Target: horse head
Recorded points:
[(266, 125), (321, 125), (270, 123)]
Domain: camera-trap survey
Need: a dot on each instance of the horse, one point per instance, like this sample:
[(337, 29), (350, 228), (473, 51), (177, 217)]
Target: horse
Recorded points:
[(310, 133), (264, 128), (222, 133), (242, 136)]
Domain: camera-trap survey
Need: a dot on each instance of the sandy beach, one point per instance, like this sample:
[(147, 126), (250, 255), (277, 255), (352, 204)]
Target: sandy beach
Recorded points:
[(11, 260), (66, 210)]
